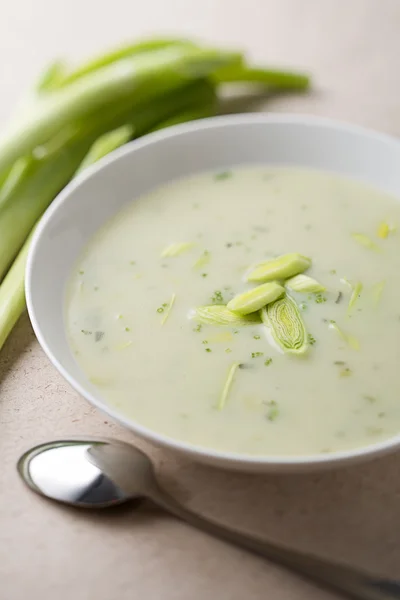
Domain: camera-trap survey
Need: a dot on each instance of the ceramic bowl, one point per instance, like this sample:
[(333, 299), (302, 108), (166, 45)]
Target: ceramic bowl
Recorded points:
[(210, 144)]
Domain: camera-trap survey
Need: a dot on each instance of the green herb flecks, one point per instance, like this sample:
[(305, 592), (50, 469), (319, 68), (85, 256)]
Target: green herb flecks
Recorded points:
[(268, 361), (217, 297), (227, 385), (319, 298), (311, 339), (257, 354)]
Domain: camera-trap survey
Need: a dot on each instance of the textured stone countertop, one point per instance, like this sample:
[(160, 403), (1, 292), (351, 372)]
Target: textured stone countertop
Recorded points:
[(46, 551)]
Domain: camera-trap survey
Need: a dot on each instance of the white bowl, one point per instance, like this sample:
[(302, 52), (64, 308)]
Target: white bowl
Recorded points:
[(95, 196)]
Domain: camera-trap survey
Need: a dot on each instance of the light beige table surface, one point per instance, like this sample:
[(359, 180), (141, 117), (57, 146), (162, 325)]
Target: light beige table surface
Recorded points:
[(352, 47)]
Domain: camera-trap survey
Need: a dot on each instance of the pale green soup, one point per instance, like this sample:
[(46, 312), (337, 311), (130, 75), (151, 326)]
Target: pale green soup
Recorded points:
[(129, 312)]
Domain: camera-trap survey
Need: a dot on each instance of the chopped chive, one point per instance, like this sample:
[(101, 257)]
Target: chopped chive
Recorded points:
[(257, 337), (176, 249), (204, 342), (86, 332), (268, 361), (311, 339), (365, 241), (228, 350), (198, 328), (256, 354), (227, 385), (127, 328), (208, 349), (377, 291), (168, 308), (349, 339), (203, 260)]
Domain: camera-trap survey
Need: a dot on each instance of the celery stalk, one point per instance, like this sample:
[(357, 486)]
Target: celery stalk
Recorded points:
[(141, 78), (12, 288), (44, 179), (106, 144), (192, 114), (122, 53), (12, 293), (282, 80), (52, 77)]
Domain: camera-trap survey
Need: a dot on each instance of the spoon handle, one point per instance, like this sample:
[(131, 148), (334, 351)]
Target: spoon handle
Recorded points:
[(354, 583)]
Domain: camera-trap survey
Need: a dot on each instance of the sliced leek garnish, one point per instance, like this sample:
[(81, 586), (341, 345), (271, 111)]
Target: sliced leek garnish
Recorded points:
[(254, 299), (286, 325), (282, 267), (304, 284), (217, 314)]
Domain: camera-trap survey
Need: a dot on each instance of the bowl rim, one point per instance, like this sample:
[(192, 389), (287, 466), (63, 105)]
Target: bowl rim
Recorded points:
[(201, 453)]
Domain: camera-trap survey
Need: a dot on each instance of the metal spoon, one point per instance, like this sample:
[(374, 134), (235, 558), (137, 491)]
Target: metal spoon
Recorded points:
[(95, 473)]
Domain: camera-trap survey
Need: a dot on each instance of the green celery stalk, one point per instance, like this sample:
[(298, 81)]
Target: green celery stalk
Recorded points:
[(192, 114), (141, 78), (121, 53), (12, 288), (12, 293), (52, 77), (105, 144), (281, 80), (51, 166), (41, 183)]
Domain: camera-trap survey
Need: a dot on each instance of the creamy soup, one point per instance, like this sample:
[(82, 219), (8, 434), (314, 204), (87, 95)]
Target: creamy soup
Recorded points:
[(132, 322)]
